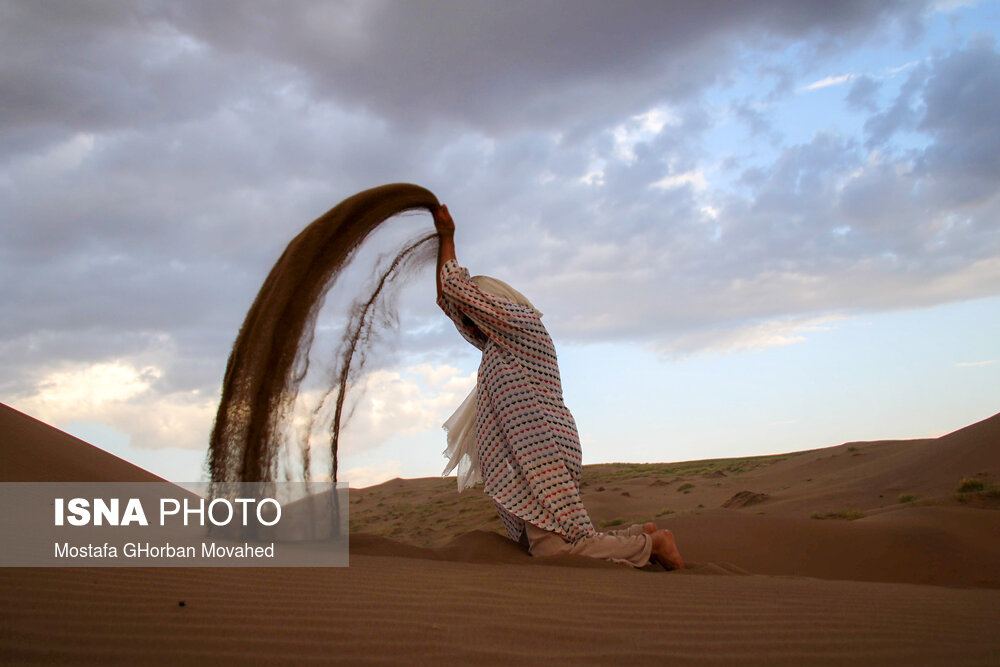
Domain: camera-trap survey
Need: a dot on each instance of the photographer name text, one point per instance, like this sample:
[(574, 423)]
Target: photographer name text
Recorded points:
[(162, 551)]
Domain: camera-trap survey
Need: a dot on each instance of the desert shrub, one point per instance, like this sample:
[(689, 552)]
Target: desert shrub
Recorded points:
[(971, 485)]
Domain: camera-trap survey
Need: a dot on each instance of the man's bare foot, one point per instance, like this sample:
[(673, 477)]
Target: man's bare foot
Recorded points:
[(665, 550), (649, 528)]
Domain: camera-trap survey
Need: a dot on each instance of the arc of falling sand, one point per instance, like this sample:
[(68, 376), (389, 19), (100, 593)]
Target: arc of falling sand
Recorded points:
[(360, 332), (270, 356)]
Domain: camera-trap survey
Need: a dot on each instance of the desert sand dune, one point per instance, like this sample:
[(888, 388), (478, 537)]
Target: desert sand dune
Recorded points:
[(35, 452), (908, 583)]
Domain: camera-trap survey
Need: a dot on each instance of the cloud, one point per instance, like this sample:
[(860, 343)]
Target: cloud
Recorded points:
[(747, 337), (695, 178), (962, 100), (975, 364), (826, 227), (120, 395), (828, 81), (406, 401), (97, 385), (383, 404), (528, 65), (903, 114)]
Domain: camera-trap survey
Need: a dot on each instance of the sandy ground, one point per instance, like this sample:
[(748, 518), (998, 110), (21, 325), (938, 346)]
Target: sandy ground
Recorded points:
[(907, 575)]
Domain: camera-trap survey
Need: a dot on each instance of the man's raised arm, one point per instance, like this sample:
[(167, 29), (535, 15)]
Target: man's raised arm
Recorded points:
[(445, 227)]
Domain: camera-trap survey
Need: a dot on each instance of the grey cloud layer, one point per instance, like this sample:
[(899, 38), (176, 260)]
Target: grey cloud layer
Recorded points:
[(156, 157), (99, 65)]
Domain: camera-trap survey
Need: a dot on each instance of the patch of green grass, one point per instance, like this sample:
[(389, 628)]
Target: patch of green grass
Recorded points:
[(971, 485), (844, 515), (907, 498), (852, 448), (685, 486), (603, 473), (664, 512), (612, 522), (977, 488)]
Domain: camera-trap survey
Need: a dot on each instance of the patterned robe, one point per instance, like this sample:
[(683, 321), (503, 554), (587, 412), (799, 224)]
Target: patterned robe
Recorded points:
[(526, 438)]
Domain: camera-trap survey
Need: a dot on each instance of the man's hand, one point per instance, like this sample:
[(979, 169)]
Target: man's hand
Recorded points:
[(443, 223)]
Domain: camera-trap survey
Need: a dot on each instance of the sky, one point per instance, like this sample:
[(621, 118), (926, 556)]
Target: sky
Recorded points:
[(752, 227)]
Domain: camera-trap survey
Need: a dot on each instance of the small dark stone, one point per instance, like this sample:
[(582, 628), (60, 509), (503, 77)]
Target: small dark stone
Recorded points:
[(182, 603)]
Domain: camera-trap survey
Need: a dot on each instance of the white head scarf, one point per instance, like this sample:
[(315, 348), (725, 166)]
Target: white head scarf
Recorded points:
[(461, 426), (497, 287)]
